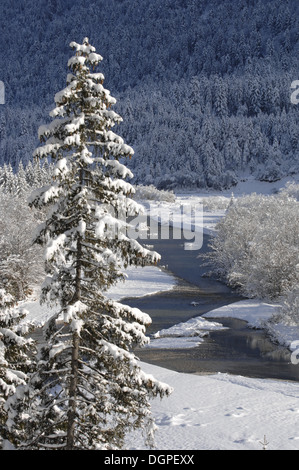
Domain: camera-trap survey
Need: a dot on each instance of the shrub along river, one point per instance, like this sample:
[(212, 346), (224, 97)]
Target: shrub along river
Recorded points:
[(236, 350)]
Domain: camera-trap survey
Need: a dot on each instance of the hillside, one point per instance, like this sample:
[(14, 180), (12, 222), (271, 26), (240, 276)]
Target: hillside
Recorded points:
[(203, 85)]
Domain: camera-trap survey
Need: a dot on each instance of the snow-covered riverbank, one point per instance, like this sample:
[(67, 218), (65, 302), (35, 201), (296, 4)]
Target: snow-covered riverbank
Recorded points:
[(223, 411), (255, 312), (217, 411)]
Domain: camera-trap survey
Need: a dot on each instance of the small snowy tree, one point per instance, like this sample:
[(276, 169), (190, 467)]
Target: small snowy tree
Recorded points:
[(89, 390), (14, 365)]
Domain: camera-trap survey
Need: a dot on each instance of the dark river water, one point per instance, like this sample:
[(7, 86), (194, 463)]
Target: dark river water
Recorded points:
[(237, 350)]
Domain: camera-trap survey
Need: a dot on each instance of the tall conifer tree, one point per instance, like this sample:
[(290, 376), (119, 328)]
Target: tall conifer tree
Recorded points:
[(89, 390)]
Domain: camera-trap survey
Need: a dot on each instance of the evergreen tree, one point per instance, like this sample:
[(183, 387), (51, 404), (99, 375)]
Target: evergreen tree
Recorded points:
[(89, 388), (220, 98), (21, 185), (14, 365)]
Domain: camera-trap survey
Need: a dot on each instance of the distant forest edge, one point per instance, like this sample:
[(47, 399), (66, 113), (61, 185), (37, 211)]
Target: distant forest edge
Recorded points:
[(203, 86)]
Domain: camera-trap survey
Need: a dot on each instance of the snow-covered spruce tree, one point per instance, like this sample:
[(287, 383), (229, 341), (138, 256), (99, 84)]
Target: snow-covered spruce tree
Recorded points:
[(14, 366), (90, 390)]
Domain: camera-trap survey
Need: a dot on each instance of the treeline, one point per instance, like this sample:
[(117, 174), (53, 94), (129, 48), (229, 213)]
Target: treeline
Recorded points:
[(22, 181), (206, 133)]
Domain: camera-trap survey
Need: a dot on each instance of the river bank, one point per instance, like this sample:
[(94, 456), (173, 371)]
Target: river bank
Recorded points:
[(211, 411), (255, 312), (219, 411), (203, 326)]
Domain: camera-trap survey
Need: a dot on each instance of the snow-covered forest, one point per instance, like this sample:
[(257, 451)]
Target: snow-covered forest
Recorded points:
[(204, 86), (201, 98)]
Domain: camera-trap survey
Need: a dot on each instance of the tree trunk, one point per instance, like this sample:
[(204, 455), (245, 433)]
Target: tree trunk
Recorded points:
[(73, 394), (75, 358), (75, 351)]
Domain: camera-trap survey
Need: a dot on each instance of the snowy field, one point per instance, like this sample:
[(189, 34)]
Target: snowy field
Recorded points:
[(224, 412), (212, 412)]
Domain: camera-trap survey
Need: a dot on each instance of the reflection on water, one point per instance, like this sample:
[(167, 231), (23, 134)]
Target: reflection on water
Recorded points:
[(237, 350)]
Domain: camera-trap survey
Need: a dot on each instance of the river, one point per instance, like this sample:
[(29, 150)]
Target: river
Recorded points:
[(237, 350)]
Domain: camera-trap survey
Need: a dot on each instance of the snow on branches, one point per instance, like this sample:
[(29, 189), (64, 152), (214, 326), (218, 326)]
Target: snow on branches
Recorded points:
[(14, 365), (88, 381)]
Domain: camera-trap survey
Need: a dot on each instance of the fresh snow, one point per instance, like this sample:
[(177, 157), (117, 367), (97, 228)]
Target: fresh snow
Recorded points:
[(184, 335), (217, 411), (142, 281), (253, 311), (223, 412)]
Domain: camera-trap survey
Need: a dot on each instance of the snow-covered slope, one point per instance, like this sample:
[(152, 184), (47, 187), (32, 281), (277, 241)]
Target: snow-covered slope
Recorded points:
[(204, 87)]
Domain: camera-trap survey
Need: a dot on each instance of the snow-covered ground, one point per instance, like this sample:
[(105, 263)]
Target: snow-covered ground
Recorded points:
[(184, 335), (224, 412), (218, 411), (142, 281)]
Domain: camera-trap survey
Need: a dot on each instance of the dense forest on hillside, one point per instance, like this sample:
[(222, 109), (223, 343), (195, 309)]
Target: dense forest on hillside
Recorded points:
[(203, 86)]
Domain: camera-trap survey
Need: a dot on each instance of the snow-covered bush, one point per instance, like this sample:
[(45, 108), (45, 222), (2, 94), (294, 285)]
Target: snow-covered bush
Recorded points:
[(257, 246), (288, 313), (21, 263), (153, 194), (291, 190), (290, 308), (214, 203)]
